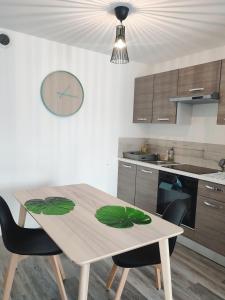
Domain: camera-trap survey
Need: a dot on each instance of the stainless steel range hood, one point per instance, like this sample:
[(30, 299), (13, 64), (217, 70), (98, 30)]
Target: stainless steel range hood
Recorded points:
[(197, 99)]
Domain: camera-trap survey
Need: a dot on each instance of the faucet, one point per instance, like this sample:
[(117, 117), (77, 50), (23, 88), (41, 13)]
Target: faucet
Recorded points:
[(222, 164)]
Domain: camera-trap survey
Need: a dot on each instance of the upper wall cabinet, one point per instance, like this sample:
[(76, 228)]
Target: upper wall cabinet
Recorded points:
[(221, 110), (152, 93), (202, 79), (165, 86), (143, 97)]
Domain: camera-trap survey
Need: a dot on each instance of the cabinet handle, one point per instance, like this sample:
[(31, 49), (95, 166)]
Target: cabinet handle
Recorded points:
[(196, 90), (163, 119), (146, 171), (212, 205), (209, 187), (142, 119), (213, 188), (126, 166)]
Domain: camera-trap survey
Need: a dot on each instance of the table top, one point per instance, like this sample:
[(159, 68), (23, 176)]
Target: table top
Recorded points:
[(81, 236)]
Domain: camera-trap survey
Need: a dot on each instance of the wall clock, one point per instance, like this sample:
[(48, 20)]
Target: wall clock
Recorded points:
[(62, 93)]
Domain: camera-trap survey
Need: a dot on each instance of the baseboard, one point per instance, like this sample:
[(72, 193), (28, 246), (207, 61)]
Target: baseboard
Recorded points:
[(217, 258)]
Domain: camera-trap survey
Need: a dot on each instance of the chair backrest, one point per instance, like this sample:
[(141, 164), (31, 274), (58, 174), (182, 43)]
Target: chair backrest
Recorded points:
[(175, 213), (7, 222)]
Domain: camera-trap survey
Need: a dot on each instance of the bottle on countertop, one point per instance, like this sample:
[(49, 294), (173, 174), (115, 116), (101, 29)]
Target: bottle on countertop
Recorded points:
[(171, 154), (145, 148)]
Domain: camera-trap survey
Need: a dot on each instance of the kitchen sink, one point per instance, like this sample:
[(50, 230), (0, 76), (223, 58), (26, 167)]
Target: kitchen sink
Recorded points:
[(162, 162)]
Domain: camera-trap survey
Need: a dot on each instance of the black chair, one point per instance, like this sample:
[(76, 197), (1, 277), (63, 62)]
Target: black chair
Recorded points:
[(148, 255), (22, 242)]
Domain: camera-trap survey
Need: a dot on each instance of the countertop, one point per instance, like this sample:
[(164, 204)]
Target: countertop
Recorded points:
[(214, 177)]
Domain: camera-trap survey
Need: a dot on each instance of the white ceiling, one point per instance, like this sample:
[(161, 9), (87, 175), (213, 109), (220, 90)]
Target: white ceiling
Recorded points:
[(157, 30)]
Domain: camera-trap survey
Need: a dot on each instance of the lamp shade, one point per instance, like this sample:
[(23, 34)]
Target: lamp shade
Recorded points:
[(119, 53)]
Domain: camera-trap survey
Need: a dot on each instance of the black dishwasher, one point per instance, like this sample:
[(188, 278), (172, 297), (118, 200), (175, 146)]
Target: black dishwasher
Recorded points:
[(172, 187)]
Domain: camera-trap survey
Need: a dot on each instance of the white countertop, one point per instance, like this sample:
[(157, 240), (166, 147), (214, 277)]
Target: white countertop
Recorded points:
[(214, 177)]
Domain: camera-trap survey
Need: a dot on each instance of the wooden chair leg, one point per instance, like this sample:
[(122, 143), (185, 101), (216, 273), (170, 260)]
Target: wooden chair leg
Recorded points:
[(111, 277), (9, 276), (56, 269), (22, 216), (158, 277), (63, 275), (122, 283)]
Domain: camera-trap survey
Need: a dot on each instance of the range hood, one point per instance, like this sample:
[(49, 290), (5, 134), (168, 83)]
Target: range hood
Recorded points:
[(197, 99)]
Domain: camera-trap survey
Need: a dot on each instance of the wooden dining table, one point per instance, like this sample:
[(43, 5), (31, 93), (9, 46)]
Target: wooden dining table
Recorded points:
[(85, 240)]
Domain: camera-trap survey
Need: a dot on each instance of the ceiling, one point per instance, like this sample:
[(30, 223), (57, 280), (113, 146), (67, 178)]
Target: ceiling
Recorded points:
[(157, 30)]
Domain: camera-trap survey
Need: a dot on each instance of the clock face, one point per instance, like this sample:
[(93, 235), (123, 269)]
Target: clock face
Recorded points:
[(62, 93)]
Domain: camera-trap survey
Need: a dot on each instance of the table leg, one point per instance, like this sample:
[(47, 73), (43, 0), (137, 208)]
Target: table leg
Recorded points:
[(84, 280), (165, 263), (22, 216)]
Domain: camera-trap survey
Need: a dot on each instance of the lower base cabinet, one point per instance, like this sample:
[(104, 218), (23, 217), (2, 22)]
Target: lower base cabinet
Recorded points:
[(146, 189), (188, 232), (138, 186), (126, 182), (210, 224)]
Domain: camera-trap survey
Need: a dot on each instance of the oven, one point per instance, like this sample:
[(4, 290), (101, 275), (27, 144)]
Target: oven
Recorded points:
[(172, 187)]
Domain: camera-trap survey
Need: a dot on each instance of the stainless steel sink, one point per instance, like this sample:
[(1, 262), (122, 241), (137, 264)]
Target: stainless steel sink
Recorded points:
[(162, 162)]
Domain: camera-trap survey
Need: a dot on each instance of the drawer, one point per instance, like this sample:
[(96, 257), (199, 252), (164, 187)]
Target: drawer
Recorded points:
[(211, 190), (127, 166), (144, 171), (210, 224)]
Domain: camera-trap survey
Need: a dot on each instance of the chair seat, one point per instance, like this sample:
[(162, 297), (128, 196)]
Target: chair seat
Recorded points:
[(147, 255), (26, 241)]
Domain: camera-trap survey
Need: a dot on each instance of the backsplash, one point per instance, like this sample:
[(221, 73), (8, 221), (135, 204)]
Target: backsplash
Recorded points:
[(199, 154)]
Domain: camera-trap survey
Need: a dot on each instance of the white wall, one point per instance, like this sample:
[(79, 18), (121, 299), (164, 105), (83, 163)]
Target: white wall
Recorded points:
[(203, 126), (39, 148)]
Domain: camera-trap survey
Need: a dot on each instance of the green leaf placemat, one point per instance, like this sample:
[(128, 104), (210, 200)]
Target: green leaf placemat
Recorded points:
[(50, 206), (121, 217)]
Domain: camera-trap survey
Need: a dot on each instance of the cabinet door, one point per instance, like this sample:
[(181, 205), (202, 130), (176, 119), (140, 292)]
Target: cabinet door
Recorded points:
[(146, 189), (165, 86), (221, 110), (126, 182), (210, 224), (199, 80), (143, 96), (211, 190)]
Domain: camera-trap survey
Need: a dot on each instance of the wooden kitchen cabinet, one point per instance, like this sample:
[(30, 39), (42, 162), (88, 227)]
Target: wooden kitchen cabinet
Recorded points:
[(221, 108), (210, 216), (165, 87), (210, 224), (201, 79), (211, 190), (143, 97), (126, 182), (138, 186), (146, 189)]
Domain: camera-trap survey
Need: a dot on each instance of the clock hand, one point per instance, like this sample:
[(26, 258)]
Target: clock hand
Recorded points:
[(66, 89), (66, 95), (71, 96), (63, 92)]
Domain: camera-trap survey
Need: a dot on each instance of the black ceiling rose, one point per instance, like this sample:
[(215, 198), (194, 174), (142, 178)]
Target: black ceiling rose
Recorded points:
[(121, 12), (4, 39)]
